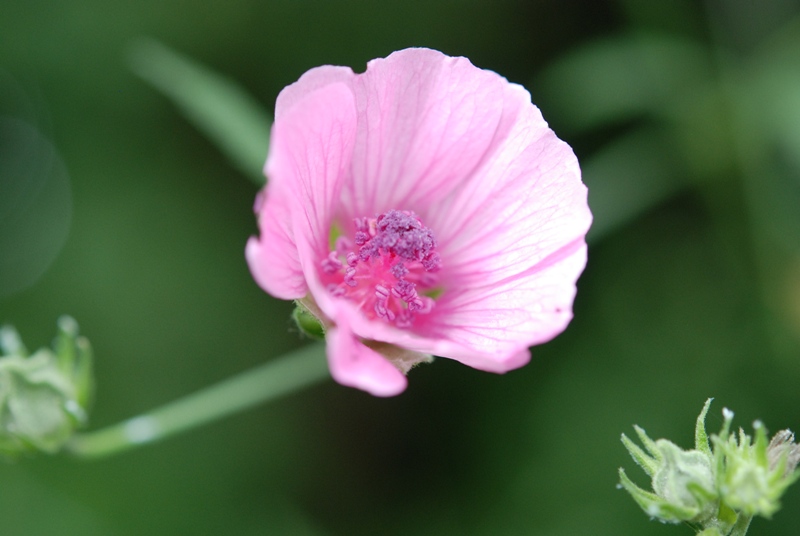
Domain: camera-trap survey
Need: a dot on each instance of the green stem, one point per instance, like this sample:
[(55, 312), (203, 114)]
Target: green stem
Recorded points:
[(741, 526), (281, 376)]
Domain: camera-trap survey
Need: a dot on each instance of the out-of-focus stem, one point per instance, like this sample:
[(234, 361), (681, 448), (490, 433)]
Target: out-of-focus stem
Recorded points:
[(284, 375), (741, 526)]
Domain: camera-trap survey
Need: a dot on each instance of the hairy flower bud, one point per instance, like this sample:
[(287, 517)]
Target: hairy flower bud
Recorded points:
[(782, 447), (44, 397), (685, 478), (716, 491), (682, 480), (756, 473)]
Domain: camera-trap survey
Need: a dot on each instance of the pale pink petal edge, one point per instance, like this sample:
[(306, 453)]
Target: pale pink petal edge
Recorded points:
[(355, 365)]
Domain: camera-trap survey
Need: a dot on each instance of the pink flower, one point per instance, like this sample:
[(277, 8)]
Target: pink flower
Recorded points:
[(421, 208)]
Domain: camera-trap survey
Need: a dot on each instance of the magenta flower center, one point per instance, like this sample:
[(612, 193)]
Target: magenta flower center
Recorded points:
[(387, 268)]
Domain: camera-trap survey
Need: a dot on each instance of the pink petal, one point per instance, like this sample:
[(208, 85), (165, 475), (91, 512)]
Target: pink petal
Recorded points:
[(513, 244), (309, 157), (310, 82), (355, 365), (425, 122), (273, 256), (526, 202), (490, 328), (527, 309), (494, 353)]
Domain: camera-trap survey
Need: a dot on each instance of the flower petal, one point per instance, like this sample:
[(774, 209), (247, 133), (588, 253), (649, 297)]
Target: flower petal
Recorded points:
[(525, 203), (512, 245), (309, 156), (310, 82), (491, 328), (355, 365), (272, 257), (494, 321), (425, 121)]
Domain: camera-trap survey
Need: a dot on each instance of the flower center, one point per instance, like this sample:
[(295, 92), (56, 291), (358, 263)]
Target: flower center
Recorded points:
[(390, 260)]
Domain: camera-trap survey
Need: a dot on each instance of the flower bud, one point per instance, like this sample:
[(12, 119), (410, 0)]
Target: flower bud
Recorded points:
[(756, 473), (782, 447), (44, 397), (682, 480), (717, 492)]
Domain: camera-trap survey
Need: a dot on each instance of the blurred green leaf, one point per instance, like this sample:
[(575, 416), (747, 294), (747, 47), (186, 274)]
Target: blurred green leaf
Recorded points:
[(675, 16), (214, 104), (777, 89), (618, 79), (629, 176)]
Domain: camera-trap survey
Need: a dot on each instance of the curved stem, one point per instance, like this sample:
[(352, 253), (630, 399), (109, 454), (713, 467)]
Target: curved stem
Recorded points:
[(741, 526), (278, 377)]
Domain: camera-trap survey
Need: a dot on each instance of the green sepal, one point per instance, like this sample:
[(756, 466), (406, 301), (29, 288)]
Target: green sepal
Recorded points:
[(685, 480), (727, 517), (64, 344), (11, 342), (648, 463), (653, 505), (700, 436), (83, 372), (760, 444), (648, 443), (307, 323)]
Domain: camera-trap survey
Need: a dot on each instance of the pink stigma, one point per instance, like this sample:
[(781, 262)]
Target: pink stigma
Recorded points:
[(389, 261)]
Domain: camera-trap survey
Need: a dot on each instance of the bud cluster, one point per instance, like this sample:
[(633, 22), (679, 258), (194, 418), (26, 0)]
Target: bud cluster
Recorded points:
[(715, 490), (44, 397)]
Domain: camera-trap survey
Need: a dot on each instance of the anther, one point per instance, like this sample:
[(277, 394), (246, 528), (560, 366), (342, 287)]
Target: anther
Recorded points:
[(350, 277), (399, 270), (331, 264), (384, 265)]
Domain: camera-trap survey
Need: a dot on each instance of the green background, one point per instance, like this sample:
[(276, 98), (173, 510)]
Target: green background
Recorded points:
[(692, 288)]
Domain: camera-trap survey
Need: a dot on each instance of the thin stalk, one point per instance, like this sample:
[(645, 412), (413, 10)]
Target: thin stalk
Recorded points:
[(741, 526), (266, 382)]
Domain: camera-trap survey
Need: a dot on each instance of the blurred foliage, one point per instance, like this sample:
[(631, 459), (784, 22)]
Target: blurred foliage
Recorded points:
[(218, 107), (684, 114)]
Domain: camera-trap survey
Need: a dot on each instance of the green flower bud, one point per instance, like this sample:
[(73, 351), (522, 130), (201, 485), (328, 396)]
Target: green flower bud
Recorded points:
[(716, 492), (783, 449), (682, 480), (44, 397), (755, 473), (685, 478)]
